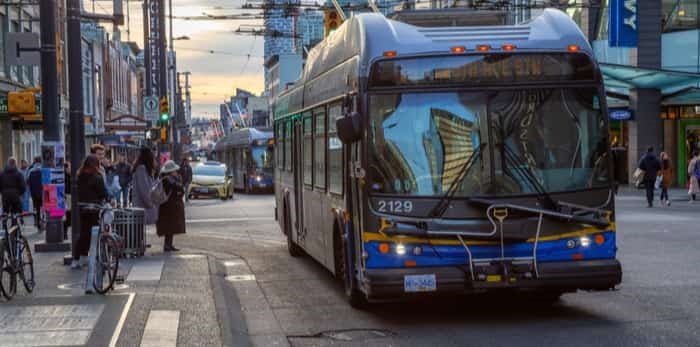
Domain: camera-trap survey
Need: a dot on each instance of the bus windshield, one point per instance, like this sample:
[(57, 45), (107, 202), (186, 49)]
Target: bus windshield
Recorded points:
[(423, 142), (262, 158)]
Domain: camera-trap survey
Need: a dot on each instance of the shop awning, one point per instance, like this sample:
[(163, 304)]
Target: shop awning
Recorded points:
[(677, 87)]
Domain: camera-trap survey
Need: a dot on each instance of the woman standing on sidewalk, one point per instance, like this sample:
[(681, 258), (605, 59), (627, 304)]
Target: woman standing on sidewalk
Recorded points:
[(144, 172), (91, 189), (694, 187), (171, 217), (666, 174)]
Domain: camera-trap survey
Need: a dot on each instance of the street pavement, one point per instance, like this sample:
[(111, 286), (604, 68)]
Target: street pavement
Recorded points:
[(234, 284)]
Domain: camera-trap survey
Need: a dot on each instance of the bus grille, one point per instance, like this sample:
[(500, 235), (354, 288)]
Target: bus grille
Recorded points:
[(477, 33)]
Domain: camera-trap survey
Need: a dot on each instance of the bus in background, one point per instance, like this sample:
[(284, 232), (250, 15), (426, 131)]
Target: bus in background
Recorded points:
[(416, 160), (248, 154)]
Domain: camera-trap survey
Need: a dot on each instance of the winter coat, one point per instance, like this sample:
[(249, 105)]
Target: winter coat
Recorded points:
[(186, 174), (12, 186), (666, 173), (36, 188), (651, 167), (694, 184), (171, 217), (141, 194), (91, 188), (124, 172)]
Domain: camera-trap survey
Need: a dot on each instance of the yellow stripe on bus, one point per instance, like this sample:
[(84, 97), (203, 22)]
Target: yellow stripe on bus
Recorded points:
[(368, 236)]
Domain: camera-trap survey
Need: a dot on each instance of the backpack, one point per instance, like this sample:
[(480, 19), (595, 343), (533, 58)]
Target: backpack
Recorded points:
[(158, 196)]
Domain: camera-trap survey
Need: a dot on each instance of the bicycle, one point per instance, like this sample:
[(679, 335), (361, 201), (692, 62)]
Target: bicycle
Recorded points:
[(15, 256), (105, 251)]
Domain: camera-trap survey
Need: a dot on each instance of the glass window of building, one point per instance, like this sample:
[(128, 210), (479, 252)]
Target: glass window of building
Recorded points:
[(602, 32), (14, 70), (2, 43), (680, 15)]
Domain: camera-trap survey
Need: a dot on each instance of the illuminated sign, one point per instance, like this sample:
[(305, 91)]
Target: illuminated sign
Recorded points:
[(620, 115)]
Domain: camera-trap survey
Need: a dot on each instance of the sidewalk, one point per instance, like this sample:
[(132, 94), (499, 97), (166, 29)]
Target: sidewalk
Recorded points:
[(675, 194), (165, 300)]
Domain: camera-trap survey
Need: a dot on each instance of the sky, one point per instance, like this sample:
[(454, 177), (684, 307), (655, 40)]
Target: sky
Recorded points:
[(214, 76)]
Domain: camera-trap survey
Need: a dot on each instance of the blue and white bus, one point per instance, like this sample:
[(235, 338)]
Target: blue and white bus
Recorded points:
[(415, 160), (248, 155)]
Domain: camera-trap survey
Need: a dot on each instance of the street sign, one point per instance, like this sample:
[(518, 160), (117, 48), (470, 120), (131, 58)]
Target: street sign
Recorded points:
[(22, 49), (4, 109), (150, 107), (3, 104)]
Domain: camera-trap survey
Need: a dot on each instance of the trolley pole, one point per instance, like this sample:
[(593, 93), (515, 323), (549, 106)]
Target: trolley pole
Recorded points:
[(51, 123)]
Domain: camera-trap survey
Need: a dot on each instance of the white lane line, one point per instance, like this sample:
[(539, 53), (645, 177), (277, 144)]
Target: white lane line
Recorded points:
[(226, 220), (122, 319), (161, 329), (147, 270)]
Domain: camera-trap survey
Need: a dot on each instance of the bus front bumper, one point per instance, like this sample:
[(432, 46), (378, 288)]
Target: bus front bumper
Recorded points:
[(564, 276)]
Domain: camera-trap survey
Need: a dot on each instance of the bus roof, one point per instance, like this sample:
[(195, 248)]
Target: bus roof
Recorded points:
[(369, 35), (243, 137)]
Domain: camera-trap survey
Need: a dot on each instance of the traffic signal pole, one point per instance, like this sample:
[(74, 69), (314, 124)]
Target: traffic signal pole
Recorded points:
[(51, 123)]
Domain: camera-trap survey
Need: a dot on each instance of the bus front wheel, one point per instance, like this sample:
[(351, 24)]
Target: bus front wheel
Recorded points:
[(353, 295)]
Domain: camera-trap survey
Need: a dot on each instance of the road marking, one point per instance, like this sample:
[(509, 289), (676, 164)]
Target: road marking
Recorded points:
[(161, 329), (122, 319), (240, 278), (148, 270), (48, 325), (226, 220)]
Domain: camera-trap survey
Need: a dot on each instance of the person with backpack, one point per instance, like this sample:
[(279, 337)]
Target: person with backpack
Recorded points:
[(12, 187), (651, 166), (91, 189), (694, 176), (171, 216), (36, 190), (143, 172)]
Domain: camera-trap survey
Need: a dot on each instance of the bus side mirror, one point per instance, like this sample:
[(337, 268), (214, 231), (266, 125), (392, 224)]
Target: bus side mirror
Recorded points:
[(349, 128)]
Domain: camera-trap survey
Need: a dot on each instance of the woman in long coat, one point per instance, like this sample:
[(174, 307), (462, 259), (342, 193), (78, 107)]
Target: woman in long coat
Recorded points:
[(694, 187), (143, 180), (171, 217), (666, 174)]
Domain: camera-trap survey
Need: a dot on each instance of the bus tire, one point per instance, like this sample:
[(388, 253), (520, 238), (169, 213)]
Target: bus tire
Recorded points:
[(292, 247), (353, 295)]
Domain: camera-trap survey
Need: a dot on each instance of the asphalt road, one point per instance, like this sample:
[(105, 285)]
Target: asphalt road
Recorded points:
[(272, 299)]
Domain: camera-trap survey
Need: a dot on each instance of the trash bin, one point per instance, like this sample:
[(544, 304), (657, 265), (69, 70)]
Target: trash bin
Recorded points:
[(129, 224)]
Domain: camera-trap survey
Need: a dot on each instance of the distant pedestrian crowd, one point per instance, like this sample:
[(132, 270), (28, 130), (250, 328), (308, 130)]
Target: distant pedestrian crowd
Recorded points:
[(657, 174)]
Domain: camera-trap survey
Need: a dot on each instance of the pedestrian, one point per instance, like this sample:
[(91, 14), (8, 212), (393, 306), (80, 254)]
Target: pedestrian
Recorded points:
[(67, 193), (91, 189), (36, 190), (171, 217), (143, 172), (666, 175), (113, 187), (186, 175), (123, 170), (694, 176), (98, 150), (651, 166), (12, 187), (24, 170)]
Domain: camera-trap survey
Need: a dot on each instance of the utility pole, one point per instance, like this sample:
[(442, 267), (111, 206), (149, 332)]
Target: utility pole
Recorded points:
[(51, 124), (77, 123)]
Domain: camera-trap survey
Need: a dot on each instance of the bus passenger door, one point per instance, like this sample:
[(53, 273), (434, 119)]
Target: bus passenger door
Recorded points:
[(298, 160)]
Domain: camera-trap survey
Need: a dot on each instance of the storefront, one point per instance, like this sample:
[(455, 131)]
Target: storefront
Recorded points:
[(684, 122)]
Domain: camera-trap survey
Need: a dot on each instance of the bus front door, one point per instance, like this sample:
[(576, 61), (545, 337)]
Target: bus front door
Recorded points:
[(298, 158)]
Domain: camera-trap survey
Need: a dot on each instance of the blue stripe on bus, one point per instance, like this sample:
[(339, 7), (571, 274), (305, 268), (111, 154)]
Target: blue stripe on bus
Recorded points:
[(447, 255)]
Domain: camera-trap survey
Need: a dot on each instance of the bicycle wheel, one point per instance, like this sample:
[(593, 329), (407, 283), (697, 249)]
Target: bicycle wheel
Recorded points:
[(107, 265), (8, 280), (26, 266)]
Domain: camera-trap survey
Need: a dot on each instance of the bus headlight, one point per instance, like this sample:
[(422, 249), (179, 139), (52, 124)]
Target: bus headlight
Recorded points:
[(585, 241), (400, 249), (258, 178)]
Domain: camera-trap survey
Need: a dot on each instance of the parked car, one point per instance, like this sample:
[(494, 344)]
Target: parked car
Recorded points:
[(210, 180)]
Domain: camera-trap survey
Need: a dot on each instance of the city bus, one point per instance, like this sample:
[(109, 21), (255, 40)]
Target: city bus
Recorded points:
[(417, 161), (248, 155)]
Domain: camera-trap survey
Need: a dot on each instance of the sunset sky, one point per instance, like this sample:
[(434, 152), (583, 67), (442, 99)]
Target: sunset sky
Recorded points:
[(214, 76)]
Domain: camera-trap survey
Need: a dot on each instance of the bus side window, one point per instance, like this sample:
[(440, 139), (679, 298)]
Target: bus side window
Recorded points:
[(320, 148), (335, 151), (288, 144), (308, 148)]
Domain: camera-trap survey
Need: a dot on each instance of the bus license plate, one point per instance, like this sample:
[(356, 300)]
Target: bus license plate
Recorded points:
[(419, 283)]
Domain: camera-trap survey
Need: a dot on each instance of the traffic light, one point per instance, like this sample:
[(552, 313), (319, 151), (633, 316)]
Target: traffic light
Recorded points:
[(331, 21), (163, 134), (164, 110), (23, 102)]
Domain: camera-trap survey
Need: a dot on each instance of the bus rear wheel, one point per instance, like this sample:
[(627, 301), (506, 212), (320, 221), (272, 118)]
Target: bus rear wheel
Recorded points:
[(292, 247), (353, 295)]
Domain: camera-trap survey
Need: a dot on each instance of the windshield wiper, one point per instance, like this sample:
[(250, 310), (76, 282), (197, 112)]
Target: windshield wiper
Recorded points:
[(512, 162), (444, 202)]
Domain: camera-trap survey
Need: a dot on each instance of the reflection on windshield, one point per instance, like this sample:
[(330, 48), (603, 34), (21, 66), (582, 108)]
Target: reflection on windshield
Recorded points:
[(209, 170), (262, 157), (422, 141)]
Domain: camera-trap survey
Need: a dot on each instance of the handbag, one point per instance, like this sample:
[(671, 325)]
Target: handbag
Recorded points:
[(659, 180), (638, 176), (158, 196)]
